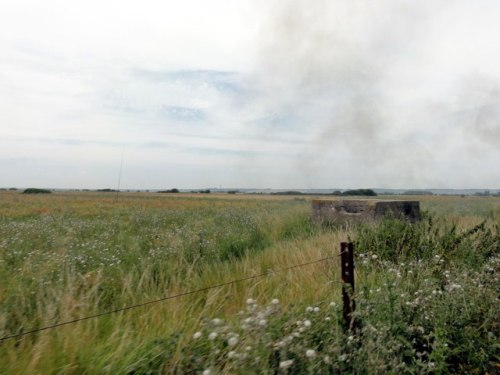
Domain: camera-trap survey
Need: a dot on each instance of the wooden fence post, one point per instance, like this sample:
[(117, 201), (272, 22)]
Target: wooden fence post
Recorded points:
[(347, 272)]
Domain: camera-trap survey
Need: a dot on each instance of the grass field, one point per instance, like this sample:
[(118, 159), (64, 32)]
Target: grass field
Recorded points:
[(427, 294)]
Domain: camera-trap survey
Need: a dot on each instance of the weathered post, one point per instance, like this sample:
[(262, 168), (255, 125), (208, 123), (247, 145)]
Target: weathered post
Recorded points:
[(347, 272)]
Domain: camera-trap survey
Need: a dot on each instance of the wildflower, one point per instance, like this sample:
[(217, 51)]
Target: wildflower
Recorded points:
[(333, 304), (275, 301), (262, 322), (250, 301), (286, 364), (197, 335), (328, 319), (327, 359), (309, 309), (342, 357), (232, 341), (307, 323), (310, 353), (374, 256), (217, 321), (316, 309), (212, 336), (207, 372), (231, 354)]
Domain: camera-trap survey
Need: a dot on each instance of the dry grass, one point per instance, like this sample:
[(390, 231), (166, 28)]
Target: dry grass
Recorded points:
[(109, 343)]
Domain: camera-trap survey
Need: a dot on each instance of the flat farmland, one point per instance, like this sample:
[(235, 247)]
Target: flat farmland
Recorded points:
[(426, 293)]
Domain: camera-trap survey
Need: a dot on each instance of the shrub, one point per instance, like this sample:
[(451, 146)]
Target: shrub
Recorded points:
[(174, 190), (36, 191), (365, 192)]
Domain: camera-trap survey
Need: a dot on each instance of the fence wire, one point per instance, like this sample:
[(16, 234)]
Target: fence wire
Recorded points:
[(166, 298)]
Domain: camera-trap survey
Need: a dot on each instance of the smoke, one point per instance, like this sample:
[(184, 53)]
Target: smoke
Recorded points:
[(360, 78), (478, 104)]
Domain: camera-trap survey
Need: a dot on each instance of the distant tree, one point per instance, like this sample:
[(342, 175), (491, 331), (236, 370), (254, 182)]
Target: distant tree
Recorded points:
[(36, 191), (107, 190), (337, 192), (363, 192), (232, 191), (174, 190)]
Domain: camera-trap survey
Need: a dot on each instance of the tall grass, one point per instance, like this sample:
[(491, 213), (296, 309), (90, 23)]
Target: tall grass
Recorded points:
[(66, 256)]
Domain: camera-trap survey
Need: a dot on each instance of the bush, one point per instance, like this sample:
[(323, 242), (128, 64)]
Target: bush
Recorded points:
[(169, 191), (36, 191), (365, 192)]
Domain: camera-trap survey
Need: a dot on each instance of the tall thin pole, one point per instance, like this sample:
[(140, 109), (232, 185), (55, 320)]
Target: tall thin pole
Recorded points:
[(120, 173)]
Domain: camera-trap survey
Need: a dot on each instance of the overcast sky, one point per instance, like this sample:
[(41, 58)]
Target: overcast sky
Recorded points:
[(240, 93)]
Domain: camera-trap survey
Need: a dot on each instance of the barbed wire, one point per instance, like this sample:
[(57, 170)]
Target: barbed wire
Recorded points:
[(166, 298)]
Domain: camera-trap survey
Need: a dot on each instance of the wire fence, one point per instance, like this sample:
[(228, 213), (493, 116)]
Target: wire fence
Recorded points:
[(166, 298)]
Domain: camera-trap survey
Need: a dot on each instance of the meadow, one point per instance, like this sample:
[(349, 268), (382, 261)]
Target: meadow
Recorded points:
[(426, 293)]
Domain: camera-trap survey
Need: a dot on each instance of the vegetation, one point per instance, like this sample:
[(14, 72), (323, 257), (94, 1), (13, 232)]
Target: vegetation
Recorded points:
[(426, 293), (174, 190), (36, 191), (365, 192)]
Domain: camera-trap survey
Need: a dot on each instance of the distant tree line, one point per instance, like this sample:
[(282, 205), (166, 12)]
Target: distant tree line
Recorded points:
[(174, 190), (36, 191), (364, 192), (358, 192)]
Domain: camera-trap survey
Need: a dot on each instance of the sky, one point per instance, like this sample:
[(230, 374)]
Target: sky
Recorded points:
[(250, 93)]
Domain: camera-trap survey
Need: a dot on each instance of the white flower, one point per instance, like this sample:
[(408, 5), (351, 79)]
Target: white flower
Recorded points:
[(207, 372), (342, 357), (275, 301), (327, 359), (310, 353), (231, 354), (333, 304), (307, 323), (212, 336), (286, 364), (262, 322), (197, 335), (374, 256), (316, 309), (328, 319), (309, 309), (232, 341), (217, 321), (250, 301)]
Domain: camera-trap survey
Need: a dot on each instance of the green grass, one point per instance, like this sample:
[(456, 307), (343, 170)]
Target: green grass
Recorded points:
[(426, 293)]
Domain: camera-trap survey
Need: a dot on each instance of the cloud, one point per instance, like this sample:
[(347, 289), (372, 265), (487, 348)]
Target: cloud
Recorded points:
[(273, 94)]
